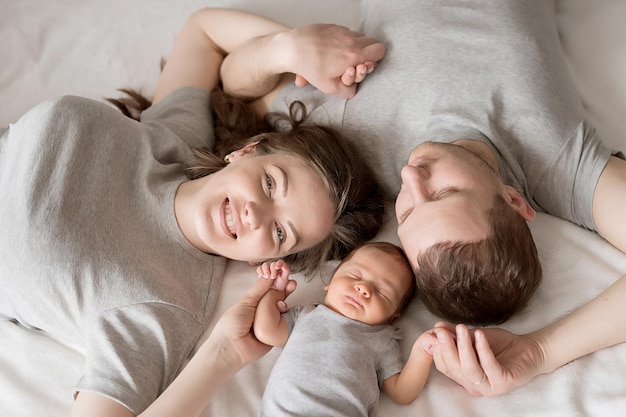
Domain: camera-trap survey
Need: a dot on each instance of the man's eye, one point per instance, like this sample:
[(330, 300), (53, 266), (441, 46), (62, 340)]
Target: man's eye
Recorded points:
[(443, 193)]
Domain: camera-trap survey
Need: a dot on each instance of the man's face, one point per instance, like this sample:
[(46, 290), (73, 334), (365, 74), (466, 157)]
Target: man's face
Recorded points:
[(446, 192)]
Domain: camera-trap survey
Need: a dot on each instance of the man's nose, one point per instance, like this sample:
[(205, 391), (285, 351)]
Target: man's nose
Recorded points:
[(413, 180)]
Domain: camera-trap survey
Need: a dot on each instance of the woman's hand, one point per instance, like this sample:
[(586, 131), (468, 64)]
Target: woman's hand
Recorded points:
[(233, 331), (486, 362)]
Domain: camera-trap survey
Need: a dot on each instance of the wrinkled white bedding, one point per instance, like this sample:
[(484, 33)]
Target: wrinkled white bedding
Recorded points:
[(91, 48)]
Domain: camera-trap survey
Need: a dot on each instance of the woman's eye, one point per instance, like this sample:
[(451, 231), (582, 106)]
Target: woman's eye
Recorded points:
[(280, 233), (269, 183)]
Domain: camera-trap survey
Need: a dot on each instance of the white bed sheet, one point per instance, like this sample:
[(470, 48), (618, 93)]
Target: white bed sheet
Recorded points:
[(91, 48)]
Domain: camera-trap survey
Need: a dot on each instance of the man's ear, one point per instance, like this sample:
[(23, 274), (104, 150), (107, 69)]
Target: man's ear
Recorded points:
[(519, 204), (246, 150)]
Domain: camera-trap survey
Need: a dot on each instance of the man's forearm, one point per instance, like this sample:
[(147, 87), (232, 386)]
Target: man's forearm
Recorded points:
[(596, 325)]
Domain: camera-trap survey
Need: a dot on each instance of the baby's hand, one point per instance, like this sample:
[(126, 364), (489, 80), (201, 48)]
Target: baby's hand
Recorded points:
[(278, 271), (425, 342)]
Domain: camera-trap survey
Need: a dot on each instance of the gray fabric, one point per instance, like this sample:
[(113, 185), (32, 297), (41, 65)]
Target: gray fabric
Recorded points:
[(330, 366), (90, 249), (487, 70)]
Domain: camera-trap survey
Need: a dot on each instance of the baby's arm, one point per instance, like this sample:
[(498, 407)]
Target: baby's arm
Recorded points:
[(269, 326), (404, 387)]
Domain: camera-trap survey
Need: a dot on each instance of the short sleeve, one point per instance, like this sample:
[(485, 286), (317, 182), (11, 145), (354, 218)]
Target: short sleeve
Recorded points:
[(186, 112), (133, 353), (390, 362)]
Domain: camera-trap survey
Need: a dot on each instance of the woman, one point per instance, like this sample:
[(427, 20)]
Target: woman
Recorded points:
[(108, 246)]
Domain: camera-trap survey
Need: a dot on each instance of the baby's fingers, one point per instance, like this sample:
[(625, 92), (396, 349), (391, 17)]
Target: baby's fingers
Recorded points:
[(263, 270)]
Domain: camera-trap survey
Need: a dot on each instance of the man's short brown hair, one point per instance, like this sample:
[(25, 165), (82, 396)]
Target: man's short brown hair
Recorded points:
[(483, 282)]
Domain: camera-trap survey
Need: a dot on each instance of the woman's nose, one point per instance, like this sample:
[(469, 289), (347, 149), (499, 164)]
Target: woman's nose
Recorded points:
[(251, 215)]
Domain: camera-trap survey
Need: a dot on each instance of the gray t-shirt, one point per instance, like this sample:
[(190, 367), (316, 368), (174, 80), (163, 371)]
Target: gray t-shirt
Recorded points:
[(90, 249), (486, 70), (330, 366)]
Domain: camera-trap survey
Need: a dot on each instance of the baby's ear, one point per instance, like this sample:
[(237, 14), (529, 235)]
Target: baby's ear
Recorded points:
[(394, 318)]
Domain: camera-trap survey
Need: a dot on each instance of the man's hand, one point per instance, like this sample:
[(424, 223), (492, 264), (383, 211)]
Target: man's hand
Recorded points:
[(486, 362)]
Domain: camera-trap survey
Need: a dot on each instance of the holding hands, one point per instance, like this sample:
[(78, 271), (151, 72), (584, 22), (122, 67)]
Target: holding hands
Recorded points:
[(332, 58), (233, 329), (486, 362), (278, 272)]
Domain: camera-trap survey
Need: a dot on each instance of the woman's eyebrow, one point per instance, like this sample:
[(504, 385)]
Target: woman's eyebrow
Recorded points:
[(296, 236), (285, 182)]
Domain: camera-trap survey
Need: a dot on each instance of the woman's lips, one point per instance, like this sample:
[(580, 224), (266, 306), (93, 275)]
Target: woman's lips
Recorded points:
[(228, 223)]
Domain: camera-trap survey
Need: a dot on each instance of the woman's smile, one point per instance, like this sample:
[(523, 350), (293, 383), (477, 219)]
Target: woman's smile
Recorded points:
[(228, 220)]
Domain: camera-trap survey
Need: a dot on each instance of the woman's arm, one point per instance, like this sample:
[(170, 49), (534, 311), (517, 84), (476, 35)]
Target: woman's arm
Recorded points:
[(320, 54), (230, 346), (208, 36), (509, 361), (263, 50)]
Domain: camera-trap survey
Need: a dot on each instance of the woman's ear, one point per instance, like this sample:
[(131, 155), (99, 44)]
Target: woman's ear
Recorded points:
[(246, 150), (519, 204)]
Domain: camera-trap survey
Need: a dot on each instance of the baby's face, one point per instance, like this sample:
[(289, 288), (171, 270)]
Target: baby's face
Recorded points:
[(369, 287)]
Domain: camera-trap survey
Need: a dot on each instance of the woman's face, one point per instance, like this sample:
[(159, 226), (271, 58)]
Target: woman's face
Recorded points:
[(257, 207)]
